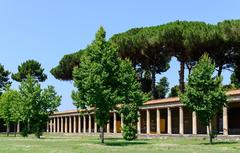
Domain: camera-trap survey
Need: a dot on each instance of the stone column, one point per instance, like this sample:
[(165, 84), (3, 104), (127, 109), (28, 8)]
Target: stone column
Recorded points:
[(66, 125), (58, 124), (54, 124), (114, 122), (48, 126), (89, 123), (18, 127), (95, 125), (70, 124), (225, 121), (79, 124), (84, 124), (148, 121), (121, 123), (169, 120), (51, 120), (158, 121), (74, 124), (62, 125), (108, 127), (194, 123), (181, 120), (139, 122)]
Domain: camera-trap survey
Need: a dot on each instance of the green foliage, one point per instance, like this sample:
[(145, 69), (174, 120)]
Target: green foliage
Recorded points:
[(162, 87), (11, 107), (131, 99), (151, 48), (145, 48), (32, 68), (204, 93), (4, 79), (129, 132), (65, 67), (235, 81), (38, 104), (103, 81), (174, 92)]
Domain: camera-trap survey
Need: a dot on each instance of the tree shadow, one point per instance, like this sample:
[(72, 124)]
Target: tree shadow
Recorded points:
[(220, 143), (122, 142)]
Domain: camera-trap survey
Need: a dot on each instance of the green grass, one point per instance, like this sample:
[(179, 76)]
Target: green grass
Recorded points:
[(91, 144)]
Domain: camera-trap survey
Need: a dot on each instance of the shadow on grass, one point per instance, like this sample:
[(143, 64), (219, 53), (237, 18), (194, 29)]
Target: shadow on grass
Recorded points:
[(220, 143), (122, 142)]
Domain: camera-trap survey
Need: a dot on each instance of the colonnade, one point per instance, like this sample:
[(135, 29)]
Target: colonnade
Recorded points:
[(181, 121), (77, 123), (63, 124)]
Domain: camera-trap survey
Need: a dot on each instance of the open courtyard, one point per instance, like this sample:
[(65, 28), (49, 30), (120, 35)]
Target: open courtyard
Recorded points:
[(91, 144)]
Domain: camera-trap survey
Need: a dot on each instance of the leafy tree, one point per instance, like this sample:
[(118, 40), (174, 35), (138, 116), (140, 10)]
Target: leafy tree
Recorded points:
[(204, 93), (38, 104), (187, 41), (231, 35), (65, 67), (162, 87), (131, 98), (174, 91), (10, 105), (4, 79), (145, 48), (144, 77), (103, 81), (32, 68)]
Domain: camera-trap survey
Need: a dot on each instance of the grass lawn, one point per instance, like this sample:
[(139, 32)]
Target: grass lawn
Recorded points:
[(91, 144)]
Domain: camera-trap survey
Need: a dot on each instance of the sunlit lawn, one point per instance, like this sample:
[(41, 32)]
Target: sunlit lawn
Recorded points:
[(91, 144)]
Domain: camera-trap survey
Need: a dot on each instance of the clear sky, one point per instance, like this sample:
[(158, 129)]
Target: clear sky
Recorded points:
[(45, 30)]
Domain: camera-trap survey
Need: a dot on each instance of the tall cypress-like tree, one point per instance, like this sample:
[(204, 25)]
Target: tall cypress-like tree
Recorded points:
[(162, 87), (205, 93), (103, 81), (4, 79), (174, 91)]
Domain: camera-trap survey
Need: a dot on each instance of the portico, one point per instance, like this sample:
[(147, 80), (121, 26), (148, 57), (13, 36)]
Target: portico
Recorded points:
[(162, 116)]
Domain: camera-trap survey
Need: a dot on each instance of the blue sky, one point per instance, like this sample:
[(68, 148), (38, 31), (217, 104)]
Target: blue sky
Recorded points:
[(48, 29)]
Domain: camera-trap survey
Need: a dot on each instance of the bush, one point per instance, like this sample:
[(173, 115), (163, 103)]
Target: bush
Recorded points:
[(129, 132)]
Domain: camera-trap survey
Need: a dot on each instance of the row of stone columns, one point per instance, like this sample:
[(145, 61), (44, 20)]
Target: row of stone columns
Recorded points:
[(181, 121), (54, 124)]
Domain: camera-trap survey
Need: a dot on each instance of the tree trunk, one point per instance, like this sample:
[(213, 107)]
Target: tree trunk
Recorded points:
[(220, 70), (189, 67), (101, 134), (237, 72), (15, 129), (28, 126), (154, 92), (181, 77), (8, 129), (210, 133)]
